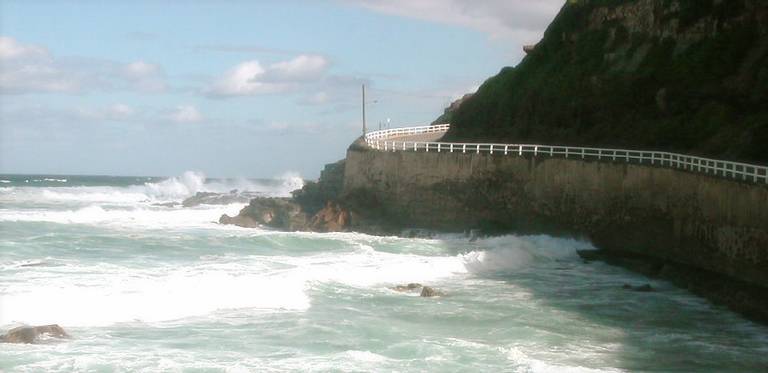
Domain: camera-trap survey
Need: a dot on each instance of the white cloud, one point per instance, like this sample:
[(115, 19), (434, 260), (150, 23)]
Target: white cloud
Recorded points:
[(304, 67), (520, 20), (251, 78), (145, 77), (27, 68), (10, 48), (186, 114)]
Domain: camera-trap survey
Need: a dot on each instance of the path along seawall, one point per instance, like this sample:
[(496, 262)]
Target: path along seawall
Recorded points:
[(706, 233)]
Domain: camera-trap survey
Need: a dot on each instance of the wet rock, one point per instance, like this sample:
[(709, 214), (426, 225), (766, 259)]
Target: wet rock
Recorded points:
[(429, 292), (332, 218), (641, 288), (33, 334), (410, 287), (279, 213)]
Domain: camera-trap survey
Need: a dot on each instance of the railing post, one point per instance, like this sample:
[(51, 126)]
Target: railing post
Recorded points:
[(451, 147), (506, 149), (566, 152), (478, 148), (536, 151), (491, 148), (438, 147), (582, 153), (464, 148)]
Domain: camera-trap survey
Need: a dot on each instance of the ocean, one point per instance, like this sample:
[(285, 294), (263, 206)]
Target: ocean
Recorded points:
[(146, 285)]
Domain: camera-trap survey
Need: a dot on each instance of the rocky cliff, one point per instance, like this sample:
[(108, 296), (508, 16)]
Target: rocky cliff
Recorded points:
[(687, 76)]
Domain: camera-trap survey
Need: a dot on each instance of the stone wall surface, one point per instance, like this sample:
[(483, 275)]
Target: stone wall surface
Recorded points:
[(706, 222)]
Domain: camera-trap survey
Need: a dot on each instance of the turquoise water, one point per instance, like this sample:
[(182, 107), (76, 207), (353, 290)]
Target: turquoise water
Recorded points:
[(143, 287)]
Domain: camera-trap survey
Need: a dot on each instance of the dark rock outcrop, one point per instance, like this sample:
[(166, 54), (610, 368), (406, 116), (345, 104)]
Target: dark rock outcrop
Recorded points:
[(428, 292), (33, 334), (314, 196), (447, 116), (332, 218), (279, 213), (318, 206)]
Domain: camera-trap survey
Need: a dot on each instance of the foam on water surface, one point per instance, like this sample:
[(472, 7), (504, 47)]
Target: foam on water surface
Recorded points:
[(143, 287)]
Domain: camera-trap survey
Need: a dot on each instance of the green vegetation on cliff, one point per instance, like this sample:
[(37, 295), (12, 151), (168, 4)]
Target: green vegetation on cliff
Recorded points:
[(679, 75)]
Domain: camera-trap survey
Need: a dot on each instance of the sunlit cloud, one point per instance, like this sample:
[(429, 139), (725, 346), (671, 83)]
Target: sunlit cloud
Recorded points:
[(252, 78)]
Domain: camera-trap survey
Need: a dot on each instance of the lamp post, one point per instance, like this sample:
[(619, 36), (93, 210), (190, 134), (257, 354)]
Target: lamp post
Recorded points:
[(364, 130)]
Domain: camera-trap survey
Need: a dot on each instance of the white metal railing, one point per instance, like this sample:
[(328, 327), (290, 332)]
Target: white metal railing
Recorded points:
[(386, 140)]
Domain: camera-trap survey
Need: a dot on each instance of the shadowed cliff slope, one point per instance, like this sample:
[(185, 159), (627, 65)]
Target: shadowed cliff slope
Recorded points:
[(678, 75)]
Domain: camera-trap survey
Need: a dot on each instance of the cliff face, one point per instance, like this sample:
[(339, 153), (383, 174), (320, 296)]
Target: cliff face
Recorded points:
[(679, 75)]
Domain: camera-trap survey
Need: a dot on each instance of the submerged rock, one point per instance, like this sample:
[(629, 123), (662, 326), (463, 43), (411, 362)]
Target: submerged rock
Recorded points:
[(33, 334), (428, 292), (409, 287)]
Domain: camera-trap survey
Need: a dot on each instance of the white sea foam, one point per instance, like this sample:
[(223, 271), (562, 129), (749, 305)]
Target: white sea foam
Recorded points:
[(510, 253), (173, 189), (102, 294), (140, 217), (526, 363), (5, 181)]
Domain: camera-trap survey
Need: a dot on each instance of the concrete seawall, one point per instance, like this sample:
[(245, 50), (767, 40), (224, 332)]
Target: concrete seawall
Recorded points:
[(696, 220)]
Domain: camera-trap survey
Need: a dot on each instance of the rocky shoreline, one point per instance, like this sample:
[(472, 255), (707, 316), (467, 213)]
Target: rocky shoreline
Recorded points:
[(322, 207), (318, 207)]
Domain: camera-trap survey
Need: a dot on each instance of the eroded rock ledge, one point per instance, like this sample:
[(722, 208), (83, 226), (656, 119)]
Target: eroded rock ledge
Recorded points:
[(318, 207)]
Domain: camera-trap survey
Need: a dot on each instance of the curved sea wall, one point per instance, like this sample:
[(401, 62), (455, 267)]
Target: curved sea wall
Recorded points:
[(696, 220)]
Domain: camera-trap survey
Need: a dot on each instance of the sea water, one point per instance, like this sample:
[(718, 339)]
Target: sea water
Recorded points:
[(142, 285)]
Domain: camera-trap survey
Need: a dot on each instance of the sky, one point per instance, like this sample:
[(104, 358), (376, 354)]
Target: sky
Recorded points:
[(236, 88)]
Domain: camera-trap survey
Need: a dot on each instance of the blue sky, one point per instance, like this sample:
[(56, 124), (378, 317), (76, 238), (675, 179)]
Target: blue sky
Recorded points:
[(236, 88)]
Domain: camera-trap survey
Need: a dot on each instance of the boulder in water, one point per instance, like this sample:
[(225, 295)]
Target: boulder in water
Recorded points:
[(280, 213), (33, 334), (429, 292)]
